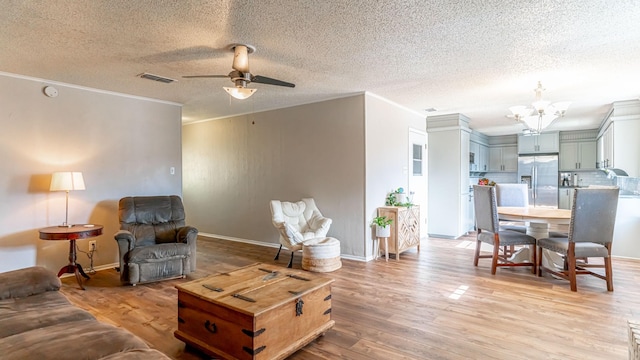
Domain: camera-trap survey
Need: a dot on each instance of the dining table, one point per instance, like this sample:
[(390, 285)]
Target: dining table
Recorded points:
[(538, 220)]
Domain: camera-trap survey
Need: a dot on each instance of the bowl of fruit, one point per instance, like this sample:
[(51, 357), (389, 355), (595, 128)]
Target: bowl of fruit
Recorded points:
[(485, 181)]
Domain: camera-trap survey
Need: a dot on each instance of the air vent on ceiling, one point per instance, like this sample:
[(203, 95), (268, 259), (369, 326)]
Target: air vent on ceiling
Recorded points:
[(159, 78)]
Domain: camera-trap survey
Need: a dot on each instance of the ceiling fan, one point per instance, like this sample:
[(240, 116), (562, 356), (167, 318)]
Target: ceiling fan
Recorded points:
[(241, 76)]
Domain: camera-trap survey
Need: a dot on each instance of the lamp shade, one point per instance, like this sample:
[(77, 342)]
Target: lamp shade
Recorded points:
[(66, 181), (239, 93)]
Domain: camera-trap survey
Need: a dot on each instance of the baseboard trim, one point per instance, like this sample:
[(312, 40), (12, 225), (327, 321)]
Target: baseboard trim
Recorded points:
[(272, 245), (97, 268), (241, 240)]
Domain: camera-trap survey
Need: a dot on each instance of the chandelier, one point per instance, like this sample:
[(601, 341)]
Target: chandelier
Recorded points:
[(541, 114)]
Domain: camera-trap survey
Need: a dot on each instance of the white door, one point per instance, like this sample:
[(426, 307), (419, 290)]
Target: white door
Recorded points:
[(418, 174)]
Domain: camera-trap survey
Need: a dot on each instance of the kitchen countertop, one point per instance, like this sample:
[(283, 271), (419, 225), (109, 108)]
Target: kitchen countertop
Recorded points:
[(623, 194)]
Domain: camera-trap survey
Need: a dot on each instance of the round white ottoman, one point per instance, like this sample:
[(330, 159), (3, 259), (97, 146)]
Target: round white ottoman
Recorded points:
[(321, 255)]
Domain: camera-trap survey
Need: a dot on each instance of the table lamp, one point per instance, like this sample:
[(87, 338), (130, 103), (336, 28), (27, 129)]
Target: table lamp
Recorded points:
[(66, 181)]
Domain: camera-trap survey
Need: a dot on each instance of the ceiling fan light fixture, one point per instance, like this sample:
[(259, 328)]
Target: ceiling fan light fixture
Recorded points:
[(239, 93)]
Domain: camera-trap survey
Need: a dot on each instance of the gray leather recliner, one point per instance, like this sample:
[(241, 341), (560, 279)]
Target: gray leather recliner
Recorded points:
[(153, 241)]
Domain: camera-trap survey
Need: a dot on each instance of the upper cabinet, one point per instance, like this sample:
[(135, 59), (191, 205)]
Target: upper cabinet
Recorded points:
[(483, 161), (578, 155), (618, 144), (539, 144), (474, 149), (479, 153), (604, 152), (503, 158)]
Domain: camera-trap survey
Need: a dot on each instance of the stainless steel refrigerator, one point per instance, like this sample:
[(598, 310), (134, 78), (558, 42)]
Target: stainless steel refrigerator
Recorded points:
[(540, 172)]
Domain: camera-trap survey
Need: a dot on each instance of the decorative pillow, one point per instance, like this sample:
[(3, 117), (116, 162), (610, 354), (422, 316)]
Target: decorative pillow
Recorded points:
[(26, 282)]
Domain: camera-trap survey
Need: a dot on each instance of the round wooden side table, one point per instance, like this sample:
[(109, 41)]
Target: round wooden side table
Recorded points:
[(72, 233)]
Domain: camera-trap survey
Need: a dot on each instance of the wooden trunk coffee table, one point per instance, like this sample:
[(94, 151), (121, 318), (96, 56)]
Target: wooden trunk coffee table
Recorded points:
[(259, 311)]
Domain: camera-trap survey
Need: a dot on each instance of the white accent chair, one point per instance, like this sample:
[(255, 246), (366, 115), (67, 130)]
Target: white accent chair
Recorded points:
[(298, 222)]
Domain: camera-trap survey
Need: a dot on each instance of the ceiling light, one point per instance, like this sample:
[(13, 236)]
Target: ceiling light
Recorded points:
[(239, 93), (541, 114)]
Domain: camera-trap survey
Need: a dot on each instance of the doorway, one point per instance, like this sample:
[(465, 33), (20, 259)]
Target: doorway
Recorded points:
[(418, 175)]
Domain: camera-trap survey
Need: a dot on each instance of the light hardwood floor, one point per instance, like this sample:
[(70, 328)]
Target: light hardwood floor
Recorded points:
[(432, 304)]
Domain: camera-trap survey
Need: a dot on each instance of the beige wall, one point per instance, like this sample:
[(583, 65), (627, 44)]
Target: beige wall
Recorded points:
[(234, 166), (123, 145)]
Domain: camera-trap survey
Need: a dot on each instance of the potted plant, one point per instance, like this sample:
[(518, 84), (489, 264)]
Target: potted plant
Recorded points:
[(383, 226), (399, 196)]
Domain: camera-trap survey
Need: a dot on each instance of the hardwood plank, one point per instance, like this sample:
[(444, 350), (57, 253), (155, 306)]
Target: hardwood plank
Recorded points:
[(432, 304)]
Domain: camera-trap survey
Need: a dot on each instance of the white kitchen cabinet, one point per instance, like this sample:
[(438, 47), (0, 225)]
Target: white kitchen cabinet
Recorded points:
[(480, 155), (627, 228), (474, 152), (618, 143), (448, 185), (578, 155), (599, 152), (604, 150), (503, 159), (539, 144), (565, 198), (470, 221), (483, 160)]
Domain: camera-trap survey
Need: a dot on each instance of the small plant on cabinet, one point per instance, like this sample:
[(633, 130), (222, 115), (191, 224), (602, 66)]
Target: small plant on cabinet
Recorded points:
[(398, 198)]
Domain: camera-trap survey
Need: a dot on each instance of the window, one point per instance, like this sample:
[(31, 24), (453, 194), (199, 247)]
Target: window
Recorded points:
[(417, 160)]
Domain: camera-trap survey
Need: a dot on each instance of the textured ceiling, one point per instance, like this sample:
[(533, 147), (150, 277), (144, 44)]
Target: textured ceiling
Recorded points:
[(476, 57)]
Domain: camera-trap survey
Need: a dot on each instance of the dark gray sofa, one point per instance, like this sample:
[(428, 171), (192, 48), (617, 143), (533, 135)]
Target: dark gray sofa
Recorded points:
[(38, 322)]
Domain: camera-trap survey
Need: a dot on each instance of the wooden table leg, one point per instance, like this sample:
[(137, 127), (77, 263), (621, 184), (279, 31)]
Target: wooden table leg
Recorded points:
[(72, 267)]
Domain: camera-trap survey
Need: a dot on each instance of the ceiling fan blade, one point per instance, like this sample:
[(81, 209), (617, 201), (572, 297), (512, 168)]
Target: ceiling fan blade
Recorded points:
[(241, 58), (265, 80), (205, 76)]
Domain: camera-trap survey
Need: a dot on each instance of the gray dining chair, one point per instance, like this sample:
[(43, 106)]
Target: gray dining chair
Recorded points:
[(513, 195), (517, 195), (487, 223), (590, 235)]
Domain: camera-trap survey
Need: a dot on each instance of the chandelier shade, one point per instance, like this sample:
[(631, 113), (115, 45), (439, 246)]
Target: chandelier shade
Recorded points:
[(541, 114)]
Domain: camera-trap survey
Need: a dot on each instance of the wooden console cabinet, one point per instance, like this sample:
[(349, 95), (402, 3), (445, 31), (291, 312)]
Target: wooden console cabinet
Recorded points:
[(405, 228)]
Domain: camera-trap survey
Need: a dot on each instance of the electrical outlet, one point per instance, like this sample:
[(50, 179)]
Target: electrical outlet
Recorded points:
[(93, 246)]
